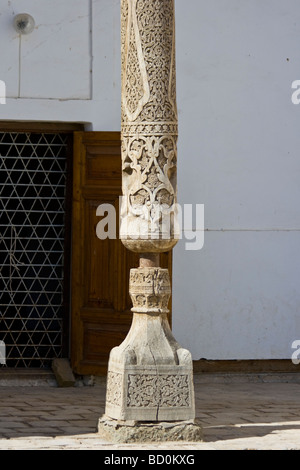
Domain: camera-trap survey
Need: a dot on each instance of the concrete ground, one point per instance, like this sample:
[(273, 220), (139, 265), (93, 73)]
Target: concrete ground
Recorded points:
[(236, 412)]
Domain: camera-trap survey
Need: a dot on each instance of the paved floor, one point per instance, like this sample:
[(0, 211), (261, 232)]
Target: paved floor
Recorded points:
[(234, 415)]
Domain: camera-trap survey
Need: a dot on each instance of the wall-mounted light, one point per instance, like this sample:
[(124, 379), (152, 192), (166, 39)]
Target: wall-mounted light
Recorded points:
[(24, 23)]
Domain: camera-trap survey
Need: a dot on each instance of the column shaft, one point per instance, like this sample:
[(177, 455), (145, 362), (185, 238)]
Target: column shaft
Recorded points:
[(149, 125)]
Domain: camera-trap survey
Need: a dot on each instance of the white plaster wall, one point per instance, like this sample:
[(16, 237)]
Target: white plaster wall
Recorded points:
[(238, 297), (44, 64), (68, 68)]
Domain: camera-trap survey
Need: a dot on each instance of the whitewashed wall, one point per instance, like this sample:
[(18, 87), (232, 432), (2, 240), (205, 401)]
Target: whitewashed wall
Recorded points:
[(239, 154), (238, 297), (68, 69)]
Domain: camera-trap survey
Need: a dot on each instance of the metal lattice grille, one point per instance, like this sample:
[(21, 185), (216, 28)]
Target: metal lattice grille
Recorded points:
[(32, 227)]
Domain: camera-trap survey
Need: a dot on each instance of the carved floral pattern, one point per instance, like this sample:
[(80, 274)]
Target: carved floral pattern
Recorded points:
[(148, 390), (114, 388), (149, 112), (150, 289), (148, 60)]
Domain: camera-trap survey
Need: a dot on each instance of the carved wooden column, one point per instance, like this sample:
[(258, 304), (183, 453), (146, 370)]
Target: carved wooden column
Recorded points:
[(150, 376)]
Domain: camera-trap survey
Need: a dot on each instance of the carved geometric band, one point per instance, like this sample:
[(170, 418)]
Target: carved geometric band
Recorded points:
[(151, 277), (150, 303), (149, 390), (154, 128)]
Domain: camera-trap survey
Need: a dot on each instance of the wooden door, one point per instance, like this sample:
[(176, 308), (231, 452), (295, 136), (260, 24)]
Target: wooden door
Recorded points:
[(101, 306)]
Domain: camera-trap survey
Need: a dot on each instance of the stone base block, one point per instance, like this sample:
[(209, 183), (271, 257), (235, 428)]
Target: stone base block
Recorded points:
[(149, 393), (135, 431)]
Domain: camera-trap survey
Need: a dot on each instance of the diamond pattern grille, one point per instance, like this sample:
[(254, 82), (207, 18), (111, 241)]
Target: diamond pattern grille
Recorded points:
[(32, 226)]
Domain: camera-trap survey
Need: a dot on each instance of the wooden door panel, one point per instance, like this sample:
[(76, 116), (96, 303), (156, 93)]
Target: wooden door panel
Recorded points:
[(101, 305), (100, 256)]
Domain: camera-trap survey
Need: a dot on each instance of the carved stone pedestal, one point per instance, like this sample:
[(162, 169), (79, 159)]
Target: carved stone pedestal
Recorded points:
[(150, 377)]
